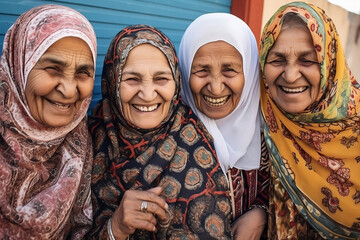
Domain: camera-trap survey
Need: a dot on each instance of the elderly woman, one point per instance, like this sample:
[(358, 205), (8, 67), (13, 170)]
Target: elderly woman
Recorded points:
[(311, 105), (155, 173), (47, 77), (219, 61)]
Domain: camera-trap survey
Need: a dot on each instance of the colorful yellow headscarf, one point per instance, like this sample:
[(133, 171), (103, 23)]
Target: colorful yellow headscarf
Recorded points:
[(316, 154)]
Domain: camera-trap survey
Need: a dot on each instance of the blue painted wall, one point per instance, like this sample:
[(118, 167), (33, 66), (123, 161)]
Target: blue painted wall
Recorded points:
[(108, 17)]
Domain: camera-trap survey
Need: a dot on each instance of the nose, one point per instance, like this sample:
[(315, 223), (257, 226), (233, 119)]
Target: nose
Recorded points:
[(216, 85), (147, 92), (291, 73), (67, 87)]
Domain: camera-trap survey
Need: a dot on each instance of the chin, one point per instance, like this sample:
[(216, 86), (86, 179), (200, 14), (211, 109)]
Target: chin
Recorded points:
[(215, 116)]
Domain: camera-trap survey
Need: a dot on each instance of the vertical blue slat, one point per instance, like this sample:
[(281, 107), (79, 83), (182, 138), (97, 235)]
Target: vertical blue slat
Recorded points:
[(109, 16)]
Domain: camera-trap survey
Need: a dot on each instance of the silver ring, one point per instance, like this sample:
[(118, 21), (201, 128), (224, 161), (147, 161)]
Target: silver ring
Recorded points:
[(144, 205)]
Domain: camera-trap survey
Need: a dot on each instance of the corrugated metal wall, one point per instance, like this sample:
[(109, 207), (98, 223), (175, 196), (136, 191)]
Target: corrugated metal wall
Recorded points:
[(108, 17)]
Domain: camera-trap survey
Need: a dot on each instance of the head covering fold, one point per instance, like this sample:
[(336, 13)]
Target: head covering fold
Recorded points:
[(45, 172), (236, 136), (177, 155), (316, 154)]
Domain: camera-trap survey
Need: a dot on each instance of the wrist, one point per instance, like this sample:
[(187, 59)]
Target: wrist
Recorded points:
[(117, 234)]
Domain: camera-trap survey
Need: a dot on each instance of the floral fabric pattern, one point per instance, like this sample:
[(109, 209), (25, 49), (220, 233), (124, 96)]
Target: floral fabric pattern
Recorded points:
[(44, 172), (317, 148), (178, 155)]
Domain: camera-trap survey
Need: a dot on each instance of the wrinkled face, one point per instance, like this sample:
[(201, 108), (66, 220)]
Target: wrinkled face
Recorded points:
[(59, 82), (292, 71), (217, 79), (147, 87)]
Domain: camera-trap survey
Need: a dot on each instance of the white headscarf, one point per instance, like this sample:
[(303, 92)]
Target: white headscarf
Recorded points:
[(236, 136)]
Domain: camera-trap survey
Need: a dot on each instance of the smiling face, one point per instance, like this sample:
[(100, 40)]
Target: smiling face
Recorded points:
[(147, 87), (59, 82), (292, 71), (217, 79)]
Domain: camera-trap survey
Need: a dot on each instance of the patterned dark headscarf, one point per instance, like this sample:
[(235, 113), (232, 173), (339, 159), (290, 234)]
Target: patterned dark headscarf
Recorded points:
[(177, 155)]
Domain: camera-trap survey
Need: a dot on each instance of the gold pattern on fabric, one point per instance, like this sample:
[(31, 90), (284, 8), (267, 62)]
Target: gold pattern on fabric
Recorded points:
[(167, 148), (193, 179), (319, 147), (180, 160), (203, 157), (188, 134)]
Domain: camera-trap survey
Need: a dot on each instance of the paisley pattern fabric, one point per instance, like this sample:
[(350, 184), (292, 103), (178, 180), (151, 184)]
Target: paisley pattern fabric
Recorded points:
[(315, 154), (44, 172), (178, 155), (251, 187)]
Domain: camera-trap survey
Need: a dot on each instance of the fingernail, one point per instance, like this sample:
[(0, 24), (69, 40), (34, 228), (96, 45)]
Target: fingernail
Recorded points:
[(166, 206)]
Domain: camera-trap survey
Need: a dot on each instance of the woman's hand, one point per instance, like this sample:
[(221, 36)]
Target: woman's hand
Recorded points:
[(250, 225), (129, 216)]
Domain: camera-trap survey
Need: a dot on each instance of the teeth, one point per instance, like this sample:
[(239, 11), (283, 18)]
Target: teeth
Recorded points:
[(294, 90), (146, 109), (59, 105), (216, 101)]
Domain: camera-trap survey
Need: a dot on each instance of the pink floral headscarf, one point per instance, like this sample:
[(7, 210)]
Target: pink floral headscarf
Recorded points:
[(44, 172)]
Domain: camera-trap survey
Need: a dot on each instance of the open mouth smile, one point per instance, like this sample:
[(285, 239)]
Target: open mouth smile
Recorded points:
[(142, 108), (293, 90), (216, 102), (60, 105)]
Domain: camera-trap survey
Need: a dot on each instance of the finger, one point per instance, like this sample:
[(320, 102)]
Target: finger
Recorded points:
[(133, 220), (156, 190), (144, 221), (147, 217), (152, 195), (159, 211)]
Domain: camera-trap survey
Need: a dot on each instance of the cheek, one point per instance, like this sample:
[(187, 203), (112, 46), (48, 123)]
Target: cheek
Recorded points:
[(126, 93), (196, 85), (271, 73), (36, 87), (314, 78), (85, 88), (236, 85), (167, 91)]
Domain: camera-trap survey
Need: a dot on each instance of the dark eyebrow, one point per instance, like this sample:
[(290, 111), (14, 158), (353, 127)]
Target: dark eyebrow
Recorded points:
[(227, 65), (207, 66), (163, 72), (58, 61), (307, 53), (301, 54), (139, 75), (131, 73), (52, 59), (86, 66)]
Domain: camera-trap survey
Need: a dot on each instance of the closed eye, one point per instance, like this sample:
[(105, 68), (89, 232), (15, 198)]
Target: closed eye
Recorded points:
[(131, 80), (306, 62), (201, 72), (277, 62), (53, 70), (230, 72), (84, 74)]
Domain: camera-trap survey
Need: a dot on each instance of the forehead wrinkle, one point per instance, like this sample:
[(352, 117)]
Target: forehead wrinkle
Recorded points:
[(301, 53), (53, 59)]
